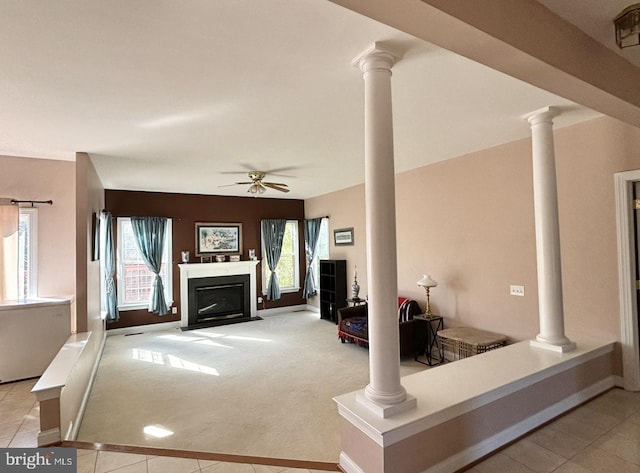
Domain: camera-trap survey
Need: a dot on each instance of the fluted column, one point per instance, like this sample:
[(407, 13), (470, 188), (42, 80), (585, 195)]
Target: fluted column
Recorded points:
[(384, 393), (545, 195)]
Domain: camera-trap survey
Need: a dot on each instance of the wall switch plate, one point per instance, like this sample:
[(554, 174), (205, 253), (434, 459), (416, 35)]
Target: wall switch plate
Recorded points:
[(174, 310), (516, 290)]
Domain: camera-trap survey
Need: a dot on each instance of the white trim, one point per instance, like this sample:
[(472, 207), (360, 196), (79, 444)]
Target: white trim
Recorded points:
[(47, 394), (535, 365), (32, 213), (206, 270), (166, 258), (49, 437), (296, 263), (312, 308), (626, 279), (281, 310), (348, 465), (143, 328)]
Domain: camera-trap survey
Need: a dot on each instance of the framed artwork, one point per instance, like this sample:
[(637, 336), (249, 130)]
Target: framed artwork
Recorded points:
[(343, 237), (218, 238)]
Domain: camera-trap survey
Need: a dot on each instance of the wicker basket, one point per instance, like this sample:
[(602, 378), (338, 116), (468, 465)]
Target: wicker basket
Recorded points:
[(462, 342)]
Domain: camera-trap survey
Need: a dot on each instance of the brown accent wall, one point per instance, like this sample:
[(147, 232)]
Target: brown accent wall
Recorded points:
[(186, 210)]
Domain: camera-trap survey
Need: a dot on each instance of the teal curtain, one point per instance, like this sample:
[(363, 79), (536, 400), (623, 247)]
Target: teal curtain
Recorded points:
[(149, 233), (311, 234), (273, 234), (110, 269)]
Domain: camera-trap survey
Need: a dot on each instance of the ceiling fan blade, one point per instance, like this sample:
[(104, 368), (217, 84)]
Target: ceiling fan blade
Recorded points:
[(236, 184), (282, 184), (275, 171), (275, 186)]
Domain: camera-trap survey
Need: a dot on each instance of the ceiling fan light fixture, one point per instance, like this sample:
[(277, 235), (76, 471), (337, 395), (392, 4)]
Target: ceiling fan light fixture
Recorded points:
[(627, 26), (256, 189)]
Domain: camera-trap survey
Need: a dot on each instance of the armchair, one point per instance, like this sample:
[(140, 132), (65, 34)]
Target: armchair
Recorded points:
[(353, 325)]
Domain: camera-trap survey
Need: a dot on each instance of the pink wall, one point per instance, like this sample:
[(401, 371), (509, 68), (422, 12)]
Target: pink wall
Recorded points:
[(345, 210), (44, 179), (469, 223)]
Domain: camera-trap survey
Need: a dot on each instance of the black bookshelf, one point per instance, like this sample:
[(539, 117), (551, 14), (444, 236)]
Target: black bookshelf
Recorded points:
[(333, 288)]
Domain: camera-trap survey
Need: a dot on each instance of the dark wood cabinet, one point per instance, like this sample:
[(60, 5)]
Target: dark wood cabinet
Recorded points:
[(333, 288)]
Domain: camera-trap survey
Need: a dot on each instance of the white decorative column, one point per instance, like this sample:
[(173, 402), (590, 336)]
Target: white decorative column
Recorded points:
[(545, 195), (384, 394)]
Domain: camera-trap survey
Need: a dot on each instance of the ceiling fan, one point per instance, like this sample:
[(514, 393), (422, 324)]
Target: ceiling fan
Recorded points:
[(258, 185)]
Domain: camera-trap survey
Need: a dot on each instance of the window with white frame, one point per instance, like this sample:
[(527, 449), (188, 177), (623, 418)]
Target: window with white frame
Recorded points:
[(288, 269), (135, 280), (322, 250), (28, 253)]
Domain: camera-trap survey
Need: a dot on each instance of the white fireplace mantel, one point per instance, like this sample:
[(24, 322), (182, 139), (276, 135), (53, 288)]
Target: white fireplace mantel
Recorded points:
[(207, 270)]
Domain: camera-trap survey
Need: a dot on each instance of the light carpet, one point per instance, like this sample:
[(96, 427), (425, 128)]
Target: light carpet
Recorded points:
[(261, 388)]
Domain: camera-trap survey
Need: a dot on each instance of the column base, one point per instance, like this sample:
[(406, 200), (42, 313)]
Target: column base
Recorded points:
[(564, 348), (387, 410), (49, 437)]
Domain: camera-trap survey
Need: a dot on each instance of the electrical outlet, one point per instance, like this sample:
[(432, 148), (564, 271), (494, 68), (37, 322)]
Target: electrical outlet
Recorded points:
[(517, 290), (259, 300), (174, 310)]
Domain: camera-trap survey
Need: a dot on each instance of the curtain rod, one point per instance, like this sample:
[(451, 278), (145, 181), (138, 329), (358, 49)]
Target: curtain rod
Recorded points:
[(32, 202)]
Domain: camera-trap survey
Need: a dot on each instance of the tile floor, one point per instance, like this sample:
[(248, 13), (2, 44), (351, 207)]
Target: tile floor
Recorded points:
[(19, 425), (600, 436)]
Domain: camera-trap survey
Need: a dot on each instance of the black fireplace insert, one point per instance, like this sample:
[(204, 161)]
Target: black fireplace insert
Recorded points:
[(219, 300)]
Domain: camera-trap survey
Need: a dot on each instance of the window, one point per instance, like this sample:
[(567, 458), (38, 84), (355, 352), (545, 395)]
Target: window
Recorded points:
[(134, 278), (28, 253), (322, 251), (288, 269)]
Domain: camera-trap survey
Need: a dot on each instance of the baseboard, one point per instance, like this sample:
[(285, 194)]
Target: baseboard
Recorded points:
[(489, 445), (281, 310), (143, 328), (312, 308), (49, 437), (348, 465)]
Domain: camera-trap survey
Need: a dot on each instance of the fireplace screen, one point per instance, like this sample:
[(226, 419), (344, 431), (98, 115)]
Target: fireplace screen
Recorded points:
[(218, 298), (219, 301)]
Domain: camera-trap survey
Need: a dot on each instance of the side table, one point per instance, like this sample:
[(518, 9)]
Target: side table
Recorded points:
[(426, 339), (355, 302)]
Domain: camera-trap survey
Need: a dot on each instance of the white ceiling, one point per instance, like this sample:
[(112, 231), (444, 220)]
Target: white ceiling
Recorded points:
[(188, 96)]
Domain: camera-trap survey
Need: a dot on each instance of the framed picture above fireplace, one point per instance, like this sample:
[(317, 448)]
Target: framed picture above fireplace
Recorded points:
[(218, 238)]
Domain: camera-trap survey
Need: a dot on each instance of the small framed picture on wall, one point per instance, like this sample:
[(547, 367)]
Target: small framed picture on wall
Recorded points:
[(343, 237)]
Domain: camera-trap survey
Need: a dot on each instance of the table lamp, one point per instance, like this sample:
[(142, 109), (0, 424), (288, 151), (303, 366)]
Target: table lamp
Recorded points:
[(427, 282)]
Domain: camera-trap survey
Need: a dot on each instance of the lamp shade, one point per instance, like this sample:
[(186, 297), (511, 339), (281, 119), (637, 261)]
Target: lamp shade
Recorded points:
[(427, 281)]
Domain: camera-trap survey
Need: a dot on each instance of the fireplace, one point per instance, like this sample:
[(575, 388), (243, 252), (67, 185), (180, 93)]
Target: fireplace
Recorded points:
[(227, 293), (219, 299)]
